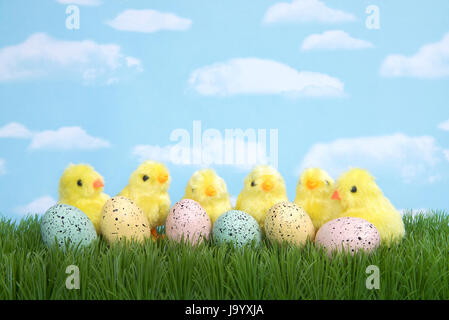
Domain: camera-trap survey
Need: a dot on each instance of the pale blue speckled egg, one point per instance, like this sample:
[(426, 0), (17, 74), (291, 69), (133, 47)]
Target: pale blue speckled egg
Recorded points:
[(236, 227), (63, 223)]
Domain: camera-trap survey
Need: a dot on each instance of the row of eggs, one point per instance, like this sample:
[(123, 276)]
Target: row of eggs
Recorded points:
[(187, 221)]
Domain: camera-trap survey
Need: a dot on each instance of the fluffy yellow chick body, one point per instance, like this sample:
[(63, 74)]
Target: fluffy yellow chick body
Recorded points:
[(360, 197), (313, 194), (148, 188), (210, 190), (82, 187), (263, 187)]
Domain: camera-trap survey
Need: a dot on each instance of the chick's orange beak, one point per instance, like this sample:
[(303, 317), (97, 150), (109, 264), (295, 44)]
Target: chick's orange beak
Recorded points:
[(267, 185), (336, 195), (311, 184), (210, 191), (98, 184), (162, 178)]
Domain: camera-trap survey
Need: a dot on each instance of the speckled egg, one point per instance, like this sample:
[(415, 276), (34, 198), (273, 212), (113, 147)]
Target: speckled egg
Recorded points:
[(189, 221), (122, 219), (236, 227), (348, 233), (285, 221), (66, 224)]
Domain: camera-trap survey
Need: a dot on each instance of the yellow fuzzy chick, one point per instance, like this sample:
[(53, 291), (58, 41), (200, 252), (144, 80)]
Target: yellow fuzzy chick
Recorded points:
[(262, 189), (82, 187), (148, 187), (360, 197), (313, 194), (210, 190)]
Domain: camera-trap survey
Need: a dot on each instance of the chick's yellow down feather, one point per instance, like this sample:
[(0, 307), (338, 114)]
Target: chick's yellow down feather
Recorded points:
[(210, 190), (313, 194), (361, 197), (263, 187), (82, 187), (148, 188)]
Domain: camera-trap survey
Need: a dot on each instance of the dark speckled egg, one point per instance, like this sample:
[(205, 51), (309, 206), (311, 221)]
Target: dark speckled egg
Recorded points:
[(348, 233), (236, 227), (63, 223)]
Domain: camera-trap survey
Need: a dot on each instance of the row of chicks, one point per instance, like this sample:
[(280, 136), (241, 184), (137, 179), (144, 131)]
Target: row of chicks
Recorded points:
[(354, 194)]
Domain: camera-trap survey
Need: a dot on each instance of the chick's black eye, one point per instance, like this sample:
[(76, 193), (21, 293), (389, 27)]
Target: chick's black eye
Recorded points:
[(327, 182), (354, 189), (145, 178), (79, 183), (193, 190), (253, 184)]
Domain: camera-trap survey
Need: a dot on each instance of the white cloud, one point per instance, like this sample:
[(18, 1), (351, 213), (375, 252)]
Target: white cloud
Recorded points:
[(261, 76), (38, 206), (334, 39), (434, 178), (2, 166), (64, 138), (81, 2), (148, 21), (444, 125), (233, 200), (42, 56), (446, 154), (150, 152), (67, 138), (112, 81), (431, 61), (134, 62), (14, 130), (408, 157), (305, 11)]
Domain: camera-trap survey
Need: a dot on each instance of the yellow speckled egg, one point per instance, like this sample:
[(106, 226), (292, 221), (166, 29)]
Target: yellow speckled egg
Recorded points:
[(122, 219), (285, 221)]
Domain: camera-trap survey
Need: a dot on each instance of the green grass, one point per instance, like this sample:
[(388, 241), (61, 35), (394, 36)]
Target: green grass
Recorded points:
[(417, 268)]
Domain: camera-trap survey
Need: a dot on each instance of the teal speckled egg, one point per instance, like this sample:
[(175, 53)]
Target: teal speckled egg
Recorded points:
[(237, 227), (66, 223)]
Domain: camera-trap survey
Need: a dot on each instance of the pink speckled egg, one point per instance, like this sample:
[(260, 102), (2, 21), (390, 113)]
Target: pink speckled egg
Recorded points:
[(189, 221), (348, 233)]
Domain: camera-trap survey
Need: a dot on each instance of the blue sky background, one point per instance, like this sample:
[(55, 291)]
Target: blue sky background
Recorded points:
[(143, 108)]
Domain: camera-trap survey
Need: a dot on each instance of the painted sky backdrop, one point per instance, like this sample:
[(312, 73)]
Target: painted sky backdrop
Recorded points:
[(111, 92)]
